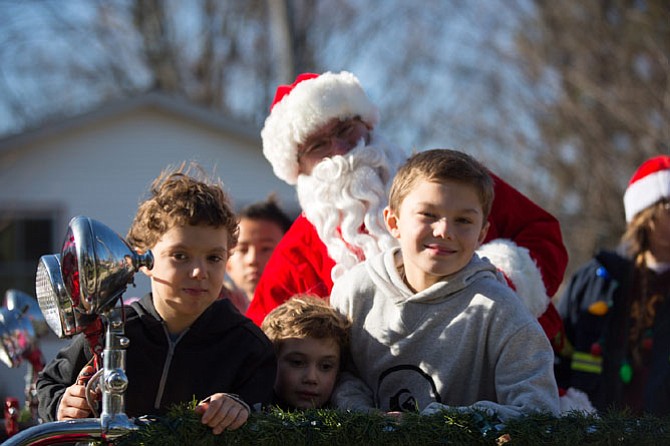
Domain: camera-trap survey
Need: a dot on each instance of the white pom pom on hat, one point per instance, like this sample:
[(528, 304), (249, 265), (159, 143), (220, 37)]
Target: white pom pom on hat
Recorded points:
[(649, 184), (303, 107)]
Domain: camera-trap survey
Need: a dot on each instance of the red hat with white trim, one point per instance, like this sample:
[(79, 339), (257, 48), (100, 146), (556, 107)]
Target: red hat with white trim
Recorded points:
[(649, 184), (299, 109)]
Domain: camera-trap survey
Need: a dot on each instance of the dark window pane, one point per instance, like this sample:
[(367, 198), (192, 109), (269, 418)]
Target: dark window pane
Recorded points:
[(8, 237), (37, 238), (23, 240)]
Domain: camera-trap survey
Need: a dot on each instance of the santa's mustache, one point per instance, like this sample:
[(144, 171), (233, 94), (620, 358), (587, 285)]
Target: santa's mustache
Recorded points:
[(343, 194)]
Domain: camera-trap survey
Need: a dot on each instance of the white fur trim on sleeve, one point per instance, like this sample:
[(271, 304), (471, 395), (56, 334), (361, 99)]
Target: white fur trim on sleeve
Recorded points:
[(515, 262), (576, 400)]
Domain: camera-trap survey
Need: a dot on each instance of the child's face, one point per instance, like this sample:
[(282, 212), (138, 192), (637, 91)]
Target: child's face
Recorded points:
[(188, 272), (659, 231), (306, 371), (256, 242), (439, 227)]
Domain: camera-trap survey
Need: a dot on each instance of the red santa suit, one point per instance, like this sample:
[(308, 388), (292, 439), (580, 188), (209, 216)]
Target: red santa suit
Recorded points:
[(300, 262)]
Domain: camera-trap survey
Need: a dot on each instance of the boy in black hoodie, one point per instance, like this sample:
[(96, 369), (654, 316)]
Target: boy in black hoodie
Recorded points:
[(184, 342)]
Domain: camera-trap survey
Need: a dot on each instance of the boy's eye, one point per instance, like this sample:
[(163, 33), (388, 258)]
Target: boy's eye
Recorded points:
[(464, 221), (327, 366), (178, 256), (428, 215), (296, 362), (215, 258)]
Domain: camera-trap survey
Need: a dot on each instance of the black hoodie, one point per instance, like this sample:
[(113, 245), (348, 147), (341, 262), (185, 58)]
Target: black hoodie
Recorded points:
[(222, 351)]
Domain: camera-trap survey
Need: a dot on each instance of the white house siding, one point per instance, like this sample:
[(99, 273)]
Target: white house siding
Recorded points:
[(103, 170)]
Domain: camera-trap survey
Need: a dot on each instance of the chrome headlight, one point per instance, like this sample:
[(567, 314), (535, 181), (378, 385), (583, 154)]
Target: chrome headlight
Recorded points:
[(97, 265), (52, 297), (86, 279)]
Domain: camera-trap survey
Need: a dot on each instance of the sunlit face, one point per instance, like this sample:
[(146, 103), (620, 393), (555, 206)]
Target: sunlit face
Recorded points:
[(256, 241), (439, 227), (306, 371), (188, 272), (334, 138)]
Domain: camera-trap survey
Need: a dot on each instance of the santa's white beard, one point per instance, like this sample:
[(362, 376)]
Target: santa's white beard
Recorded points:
[(345, 193)]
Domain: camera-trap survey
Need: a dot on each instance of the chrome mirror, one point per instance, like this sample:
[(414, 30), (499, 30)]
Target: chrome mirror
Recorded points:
[(27, 304), (21, 323), (17, 337)]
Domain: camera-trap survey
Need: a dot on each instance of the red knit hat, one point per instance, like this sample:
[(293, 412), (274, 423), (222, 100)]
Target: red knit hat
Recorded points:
[(649, 184), (303, 107)]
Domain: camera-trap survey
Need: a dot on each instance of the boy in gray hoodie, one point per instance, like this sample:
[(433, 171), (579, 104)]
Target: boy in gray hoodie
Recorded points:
[(434, 325)]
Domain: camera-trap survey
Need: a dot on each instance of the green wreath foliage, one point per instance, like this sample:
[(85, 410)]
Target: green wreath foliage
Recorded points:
[(325, 427)]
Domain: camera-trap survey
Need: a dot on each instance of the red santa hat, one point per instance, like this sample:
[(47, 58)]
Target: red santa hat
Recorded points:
[(649, 184), (303, 107)]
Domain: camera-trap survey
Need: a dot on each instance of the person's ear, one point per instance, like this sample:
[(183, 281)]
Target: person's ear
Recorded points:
[(483, 232), (391, 221)]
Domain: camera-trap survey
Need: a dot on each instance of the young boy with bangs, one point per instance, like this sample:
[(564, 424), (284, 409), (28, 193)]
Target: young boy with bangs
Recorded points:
[(184, 343), (434, 325), (311, 339)]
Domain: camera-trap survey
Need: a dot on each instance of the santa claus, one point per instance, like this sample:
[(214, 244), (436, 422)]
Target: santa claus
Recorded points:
[(320, 136)]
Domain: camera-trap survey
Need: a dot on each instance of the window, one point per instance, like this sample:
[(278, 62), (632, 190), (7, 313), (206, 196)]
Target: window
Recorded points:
[(25, 236)]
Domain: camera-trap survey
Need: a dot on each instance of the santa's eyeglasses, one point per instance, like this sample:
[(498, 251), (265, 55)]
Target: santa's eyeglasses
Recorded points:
[(334, 139)]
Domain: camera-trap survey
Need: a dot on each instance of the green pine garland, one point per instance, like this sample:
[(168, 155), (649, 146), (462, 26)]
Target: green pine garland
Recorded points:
[(182, 427)]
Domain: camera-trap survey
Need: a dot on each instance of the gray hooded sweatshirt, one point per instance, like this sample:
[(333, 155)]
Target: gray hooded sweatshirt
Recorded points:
[(466, 342)]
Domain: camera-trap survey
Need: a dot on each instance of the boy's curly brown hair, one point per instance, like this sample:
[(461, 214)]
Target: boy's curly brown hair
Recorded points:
[(304, 316), (178, 197)]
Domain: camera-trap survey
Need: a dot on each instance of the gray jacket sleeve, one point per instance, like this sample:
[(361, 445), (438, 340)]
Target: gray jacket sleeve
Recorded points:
[(351, 393), (524, 379)]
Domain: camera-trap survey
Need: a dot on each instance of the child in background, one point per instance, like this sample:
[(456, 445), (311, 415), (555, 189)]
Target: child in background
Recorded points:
[(261, 226), (184, 343), (616, 307), (310, 339), (435, 326)]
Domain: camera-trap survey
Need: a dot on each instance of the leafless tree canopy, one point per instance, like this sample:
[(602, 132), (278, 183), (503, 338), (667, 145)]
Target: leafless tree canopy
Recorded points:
[(601, 76), (562, 98)]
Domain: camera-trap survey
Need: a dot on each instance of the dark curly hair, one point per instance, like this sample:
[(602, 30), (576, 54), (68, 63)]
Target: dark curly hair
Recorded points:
[(178, 197)]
